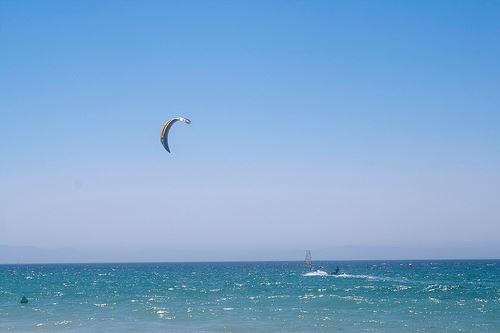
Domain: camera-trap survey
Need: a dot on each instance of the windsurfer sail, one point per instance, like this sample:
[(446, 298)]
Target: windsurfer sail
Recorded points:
[(308, 263), (308, 260)]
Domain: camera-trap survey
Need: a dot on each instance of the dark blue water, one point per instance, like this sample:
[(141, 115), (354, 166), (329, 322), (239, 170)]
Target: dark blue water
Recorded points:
[(369, 296)]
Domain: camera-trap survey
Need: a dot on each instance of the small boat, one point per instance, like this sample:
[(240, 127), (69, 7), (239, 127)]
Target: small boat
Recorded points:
[(24, 300)]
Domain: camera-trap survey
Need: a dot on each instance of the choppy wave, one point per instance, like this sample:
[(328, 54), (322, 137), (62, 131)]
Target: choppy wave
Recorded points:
[(248, 297)]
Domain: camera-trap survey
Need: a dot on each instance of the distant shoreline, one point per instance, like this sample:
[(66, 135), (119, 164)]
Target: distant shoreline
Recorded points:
[(244, 261)]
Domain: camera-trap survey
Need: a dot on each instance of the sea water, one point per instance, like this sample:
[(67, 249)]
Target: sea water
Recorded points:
[(368, 296)]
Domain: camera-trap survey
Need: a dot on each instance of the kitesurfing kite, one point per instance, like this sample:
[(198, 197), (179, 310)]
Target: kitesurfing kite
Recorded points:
[(166, 128)]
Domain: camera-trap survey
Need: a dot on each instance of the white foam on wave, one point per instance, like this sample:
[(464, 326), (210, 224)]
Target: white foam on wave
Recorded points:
[(370, 277), (316, 273), (358, 276), (100, 305)]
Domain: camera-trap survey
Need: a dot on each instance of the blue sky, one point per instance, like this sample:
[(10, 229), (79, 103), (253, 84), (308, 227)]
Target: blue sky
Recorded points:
[(316, 125)]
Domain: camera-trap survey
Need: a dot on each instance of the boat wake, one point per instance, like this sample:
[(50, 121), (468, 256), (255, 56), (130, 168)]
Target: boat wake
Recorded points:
[(316, 273), (353, 276), (369, 277), (358, 276)]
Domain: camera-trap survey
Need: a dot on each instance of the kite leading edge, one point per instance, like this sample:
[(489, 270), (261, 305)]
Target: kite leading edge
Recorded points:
[(166, 129)]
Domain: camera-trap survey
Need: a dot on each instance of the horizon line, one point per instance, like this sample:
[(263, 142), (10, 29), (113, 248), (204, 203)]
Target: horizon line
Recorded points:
[(235, 261)]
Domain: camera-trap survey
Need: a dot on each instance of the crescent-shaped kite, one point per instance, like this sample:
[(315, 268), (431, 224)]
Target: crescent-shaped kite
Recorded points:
[(166, 128)]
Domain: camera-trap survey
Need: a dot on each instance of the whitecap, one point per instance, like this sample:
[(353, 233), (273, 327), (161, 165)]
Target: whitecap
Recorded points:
[(434, 300)]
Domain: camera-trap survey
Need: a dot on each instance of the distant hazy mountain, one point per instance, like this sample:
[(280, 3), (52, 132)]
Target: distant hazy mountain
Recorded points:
[(29, 254)]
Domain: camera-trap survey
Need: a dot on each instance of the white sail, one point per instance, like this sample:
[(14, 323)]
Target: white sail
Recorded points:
[(308, 260), (309, 265)]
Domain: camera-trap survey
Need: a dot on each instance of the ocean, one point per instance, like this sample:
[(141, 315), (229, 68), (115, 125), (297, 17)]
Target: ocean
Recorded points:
[(368, 296)]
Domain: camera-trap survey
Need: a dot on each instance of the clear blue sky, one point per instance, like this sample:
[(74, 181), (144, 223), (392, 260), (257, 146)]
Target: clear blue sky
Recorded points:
[(316, 125)]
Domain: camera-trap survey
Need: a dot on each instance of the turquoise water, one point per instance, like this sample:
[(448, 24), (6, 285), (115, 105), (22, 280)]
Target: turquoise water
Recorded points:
[(370, 296)]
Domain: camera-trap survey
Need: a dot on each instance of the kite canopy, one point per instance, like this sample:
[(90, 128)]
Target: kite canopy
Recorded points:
[(166, 129)]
